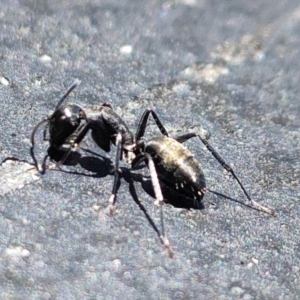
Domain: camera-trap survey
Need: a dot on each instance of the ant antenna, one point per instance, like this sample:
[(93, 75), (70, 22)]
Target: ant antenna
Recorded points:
[(71, 88)]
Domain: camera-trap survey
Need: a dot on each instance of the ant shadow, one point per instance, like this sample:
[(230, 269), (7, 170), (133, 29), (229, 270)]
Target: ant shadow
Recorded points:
[(100, 166)]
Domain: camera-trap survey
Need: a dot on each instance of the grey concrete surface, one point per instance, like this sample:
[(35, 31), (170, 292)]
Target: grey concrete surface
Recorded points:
[(228, 68)]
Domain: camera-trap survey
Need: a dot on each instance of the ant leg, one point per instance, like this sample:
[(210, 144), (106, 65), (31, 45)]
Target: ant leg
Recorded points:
[(75, 144), (185, 137), (116, 185), (157, 190), (44, 166), (36, 164), (143, 124), (66, 155), (159, 123), (162, 238), (155, 182), (35, 129)]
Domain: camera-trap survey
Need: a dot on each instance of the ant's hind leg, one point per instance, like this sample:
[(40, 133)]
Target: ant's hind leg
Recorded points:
[(161, 236), (185, 137)]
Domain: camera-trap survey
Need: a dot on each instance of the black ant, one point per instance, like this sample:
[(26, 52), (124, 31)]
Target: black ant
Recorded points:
[(167, 159)]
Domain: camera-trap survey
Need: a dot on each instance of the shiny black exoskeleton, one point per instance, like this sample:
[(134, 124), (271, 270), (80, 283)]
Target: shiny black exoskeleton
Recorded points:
[(177, 167), (65, 124)]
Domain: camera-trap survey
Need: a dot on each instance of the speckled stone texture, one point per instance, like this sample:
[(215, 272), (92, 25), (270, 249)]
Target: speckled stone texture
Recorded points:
[(229, 69)]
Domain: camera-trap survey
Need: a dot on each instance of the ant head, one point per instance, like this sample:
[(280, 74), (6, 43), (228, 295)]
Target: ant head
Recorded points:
[(57, 108), (64, 122)]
